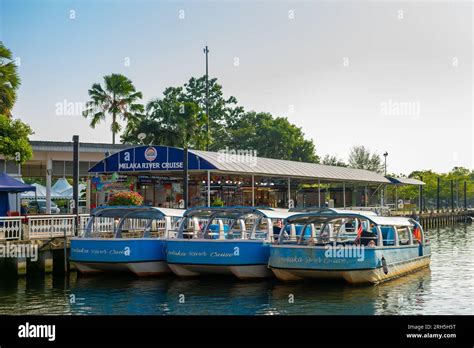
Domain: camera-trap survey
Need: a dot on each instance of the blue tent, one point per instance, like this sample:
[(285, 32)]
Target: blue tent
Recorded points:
[(10, 185)]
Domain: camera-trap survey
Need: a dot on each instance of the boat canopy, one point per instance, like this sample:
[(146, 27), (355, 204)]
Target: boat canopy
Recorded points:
[(333, 210), (330, 215), (136, 212), (236, 211)]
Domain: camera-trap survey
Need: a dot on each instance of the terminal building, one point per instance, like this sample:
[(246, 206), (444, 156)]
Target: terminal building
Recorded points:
[(215, 178)]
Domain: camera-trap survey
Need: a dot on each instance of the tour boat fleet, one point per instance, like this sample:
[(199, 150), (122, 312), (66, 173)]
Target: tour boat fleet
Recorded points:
[(250, 242)]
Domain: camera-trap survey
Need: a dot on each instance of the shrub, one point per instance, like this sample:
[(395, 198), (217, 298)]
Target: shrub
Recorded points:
[(126, 198)]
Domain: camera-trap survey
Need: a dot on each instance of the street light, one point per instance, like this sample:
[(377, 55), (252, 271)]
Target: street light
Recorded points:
[(385, 155), (206, 52)]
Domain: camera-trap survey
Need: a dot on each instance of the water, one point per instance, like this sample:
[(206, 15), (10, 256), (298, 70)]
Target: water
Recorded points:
[(445, 288)]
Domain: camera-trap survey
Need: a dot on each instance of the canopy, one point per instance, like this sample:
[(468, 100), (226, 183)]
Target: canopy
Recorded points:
[(237, 211), (12, 185), (136, 212), (61, 185)]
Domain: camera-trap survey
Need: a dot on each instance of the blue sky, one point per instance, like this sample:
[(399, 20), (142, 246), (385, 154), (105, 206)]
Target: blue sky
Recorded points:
[(394, 76)]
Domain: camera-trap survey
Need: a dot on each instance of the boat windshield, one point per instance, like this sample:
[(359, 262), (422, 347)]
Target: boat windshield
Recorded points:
[(232, 224), (130, 223)]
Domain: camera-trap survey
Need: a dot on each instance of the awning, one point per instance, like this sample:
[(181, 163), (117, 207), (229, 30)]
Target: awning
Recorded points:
[(12, 185), (162, 159), (405, 181)]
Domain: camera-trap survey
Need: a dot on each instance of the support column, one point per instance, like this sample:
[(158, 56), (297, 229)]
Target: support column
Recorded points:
[(319, 193), (437, 195), (452, 195), (420, 198), (208, 188), (366, 192), (49, 174), (289, 192), (396, 197), (344, 194), (253, 190), (465, 195)]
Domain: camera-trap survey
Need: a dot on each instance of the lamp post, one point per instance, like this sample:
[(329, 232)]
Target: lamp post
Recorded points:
[(206, 52), (385, 174)]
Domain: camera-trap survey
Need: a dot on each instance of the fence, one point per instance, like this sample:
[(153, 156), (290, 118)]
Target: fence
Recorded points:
[(48, 226), (10, 228)]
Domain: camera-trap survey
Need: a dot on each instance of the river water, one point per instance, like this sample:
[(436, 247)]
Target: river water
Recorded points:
[(447, 287)]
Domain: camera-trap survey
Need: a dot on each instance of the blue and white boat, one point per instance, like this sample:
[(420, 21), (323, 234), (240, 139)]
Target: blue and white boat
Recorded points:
[(125, 238), (228, 240), (353, 246)]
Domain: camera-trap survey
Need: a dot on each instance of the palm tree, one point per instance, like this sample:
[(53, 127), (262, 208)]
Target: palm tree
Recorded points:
[(118, 98), (9, 80)]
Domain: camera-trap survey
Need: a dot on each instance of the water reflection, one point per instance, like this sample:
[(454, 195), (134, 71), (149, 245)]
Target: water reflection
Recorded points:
[(444, 288)]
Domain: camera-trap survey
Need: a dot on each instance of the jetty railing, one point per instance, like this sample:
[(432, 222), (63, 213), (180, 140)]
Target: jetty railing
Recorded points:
[(48, 226), (10, 228)]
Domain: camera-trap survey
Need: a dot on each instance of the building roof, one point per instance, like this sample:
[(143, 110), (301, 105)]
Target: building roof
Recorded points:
[(162, 159), (405, 181), (284, 168), (41, 145)]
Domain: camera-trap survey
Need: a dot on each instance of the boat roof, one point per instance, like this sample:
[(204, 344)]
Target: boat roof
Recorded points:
[(336, 210), (138, 212), (330, 215), (236, 211)]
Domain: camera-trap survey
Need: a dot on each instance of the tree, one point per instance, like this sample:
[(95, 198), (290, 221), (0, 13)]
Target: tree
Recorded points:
[(14, 139), (360, 157), (270, 137), (118, 98), (9, 81), (333, 161), (222, 112), (170, 121)]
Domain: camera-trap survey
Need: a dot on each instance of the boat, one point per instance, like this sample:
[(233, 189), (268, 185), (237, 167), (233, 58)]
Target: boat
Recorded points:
[(356, 247), (125, 239), (225, 241)]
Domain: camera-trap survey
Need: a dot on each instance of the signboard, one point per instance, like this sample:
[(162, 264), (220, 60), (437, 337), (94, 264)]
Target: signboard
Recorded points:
[(149, 159)]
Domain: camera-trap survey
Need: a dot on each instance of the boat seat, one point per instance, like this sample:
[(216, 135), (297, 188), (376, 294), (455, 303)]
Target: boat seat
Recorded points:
[(214, 229), (388, 235)]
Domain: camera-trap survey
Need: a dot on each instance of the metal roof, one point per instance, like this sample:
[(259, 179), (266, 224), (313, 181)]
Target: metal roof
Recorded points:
[(136, 212), (283, 168), (405, 181), (329, 215), (66, 146), (237, 211)]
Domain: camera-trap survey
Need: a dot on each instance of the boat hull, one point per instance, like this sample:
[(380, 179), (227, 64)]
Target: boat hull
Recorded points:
[(245, 259), (142, 257), (376, 265)]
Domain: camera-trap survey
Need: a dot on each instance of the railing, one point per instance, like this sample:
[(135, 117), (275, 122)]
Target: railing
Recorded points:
[(10, 228), (47, 226)]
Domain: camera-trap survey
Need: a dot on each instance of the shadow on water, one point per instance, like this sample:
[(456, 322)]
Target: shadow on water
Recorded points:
[(444, 288)]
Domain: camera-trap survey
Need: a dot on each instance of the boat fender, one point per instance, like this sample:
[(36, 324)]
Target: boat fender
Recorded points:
[(384, 265)]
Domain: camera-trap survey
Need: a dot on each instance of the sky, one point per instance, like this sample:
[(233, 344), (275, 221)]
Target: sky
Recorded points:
[(394, 76)]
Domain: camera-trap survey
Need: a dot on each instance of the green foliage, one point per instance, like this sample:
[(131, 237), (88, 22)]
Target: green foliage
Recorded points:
[(270, 137), (360, 157), (9, 80), (459, 175), (117, 98), (14, 139), (217, 202), (230, 126), (333, 161), (126, 198)]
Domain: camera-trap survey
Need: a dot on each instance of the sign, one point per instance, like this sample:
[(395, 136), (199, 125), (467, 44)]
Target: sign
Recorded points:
[(150, 159)]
